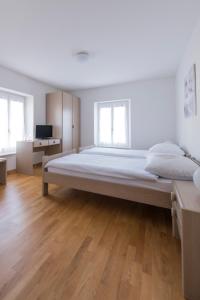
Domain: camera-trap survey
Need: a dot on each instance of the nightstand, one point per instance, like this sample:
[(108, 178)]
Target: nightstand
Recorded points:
[(3, 170), (186, 226)]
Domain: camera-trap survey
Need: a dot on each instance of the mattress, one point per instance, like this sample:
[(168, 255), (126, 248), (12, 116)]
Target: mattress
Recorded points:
[(131, 153), (120, 170)]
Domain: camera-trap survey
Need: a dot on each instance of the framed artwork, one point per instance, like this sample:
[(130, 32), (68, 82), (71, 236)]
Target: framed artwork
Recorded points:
[(190, 101)]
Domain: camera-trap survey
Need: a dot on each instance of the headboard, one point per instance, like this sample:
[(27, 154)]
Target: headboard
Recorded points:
[(193, 159)]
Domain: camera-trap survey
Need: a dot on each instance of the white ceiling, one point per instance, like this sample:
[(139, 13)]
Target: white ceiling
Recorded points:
[(128, 39)]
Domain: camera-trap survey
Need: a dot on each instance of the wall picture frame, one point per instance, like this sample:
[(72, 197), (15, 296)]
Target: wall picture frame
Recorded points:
[(190, 95)]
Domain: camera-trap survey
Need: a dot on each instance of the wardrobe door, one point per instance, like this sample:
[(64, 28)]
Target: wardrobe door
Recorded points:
[(76, 123), (67, 122), (54, 113)]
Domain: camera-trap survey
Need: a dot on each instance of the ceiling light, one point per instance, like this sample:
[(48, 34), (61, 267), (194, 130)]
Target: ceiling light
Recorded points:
[(82, 56)]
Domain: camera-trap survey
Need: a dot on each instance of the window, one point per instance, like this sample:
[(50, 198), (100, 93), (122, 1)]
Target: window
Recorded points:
[(112, 123), (11, 121)]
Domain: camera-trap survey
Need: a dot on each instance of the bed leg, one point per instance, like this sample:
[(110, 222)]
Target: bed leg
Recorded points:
[(45, 189)]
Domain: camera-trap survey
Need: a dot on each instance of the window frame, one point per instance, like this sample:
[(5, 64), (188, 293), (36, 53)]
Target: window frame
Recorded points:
[(9, 96), (112, 104)]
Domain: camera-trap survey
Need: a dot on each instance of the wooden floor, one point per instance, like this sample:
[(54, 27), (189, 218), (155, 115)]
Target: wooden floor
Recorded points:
[(81, 246)]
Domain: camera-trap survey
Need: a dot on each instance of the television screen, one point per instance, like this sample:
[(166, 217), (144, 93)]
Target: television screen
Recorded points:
[(43, 131)]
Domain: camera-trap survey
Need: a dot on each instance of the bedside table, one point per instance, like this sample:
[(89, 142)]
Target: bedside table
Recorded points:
[(186, 226), (3, 170)]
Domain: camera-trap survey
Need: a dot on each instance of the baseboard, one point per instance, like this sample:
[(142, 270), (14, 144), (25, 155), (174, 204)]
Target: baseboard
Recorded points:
[(10, 172), (38, 165)]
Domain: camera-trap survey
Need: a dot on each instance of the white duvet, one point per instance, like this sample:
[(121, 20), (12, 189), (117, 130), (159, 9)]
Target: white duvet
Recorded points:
[(119, 167), (116, 152)]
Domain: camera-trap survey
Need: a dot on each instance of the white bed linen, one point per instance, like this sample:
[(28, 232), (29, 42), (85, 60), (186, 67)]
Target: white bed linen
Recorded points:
[(110, 166), (131, 153), (84, 166)]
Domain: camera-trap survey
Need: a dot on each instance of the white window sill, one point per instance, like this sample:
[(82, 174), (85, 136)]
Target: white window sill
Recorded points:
[(7, 154)]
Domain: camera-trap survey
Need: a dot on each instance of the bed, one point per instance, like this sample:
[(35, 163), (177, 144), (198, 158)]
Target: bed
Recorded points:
[(131, 153), (119, 177)]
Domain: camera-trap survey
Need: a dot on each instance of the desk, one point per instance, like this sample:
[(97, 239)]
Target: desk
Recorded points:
[(3, 171), (25, 150)]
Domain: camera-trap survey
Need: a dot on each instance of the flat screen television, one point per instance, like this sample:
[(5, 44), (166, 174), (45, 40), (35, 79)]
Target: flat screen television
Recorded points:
[(44, 131)]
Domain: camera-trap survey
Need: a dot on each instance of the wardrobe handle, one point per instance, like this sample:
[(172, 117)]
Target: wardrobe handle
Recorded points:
[(72, 126)]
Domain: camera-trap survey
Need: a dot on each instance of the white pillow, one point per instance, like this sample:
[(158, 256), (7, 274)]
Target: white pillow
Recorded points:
[(167, 148), (172, 167), (150, 155)]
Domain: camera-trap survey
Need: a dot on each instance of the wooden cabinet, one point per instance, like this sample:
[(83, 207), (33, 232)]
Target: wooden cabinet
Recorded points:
[(54, 113), (67, 114), (76, 123), (63, 112), (3, 171), (186, 226)]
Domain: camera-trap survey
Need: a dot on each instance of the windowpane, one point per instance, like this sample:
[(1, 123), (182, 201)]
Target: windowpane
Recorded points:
[(16, 122), (119, 125), (3, 124), (105, 125), (112, 123)]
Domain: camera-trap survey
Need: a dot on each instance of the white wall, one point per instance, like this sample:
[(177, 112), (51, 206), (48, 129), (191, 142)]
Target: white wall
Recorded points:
[(153, 110), (17, 82), (188, 130)]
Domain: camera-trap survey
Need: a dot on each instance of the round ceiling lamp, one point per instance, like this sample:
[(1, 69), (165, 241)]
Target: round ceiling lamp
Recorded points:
[(82, 56)]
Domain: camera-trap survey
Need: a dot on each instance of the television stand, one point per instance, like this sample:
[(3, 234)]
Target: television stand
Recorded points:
[(25, 150)]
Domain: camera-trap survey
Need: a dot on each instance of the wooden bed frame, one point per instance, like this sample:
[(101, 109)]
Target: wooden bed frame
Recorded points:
[(131, 193)]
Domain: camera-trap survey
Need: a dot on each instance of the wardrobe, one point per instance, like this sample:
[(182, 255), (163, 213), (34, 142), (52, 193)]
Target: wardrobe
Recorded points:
[(63, 112)]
